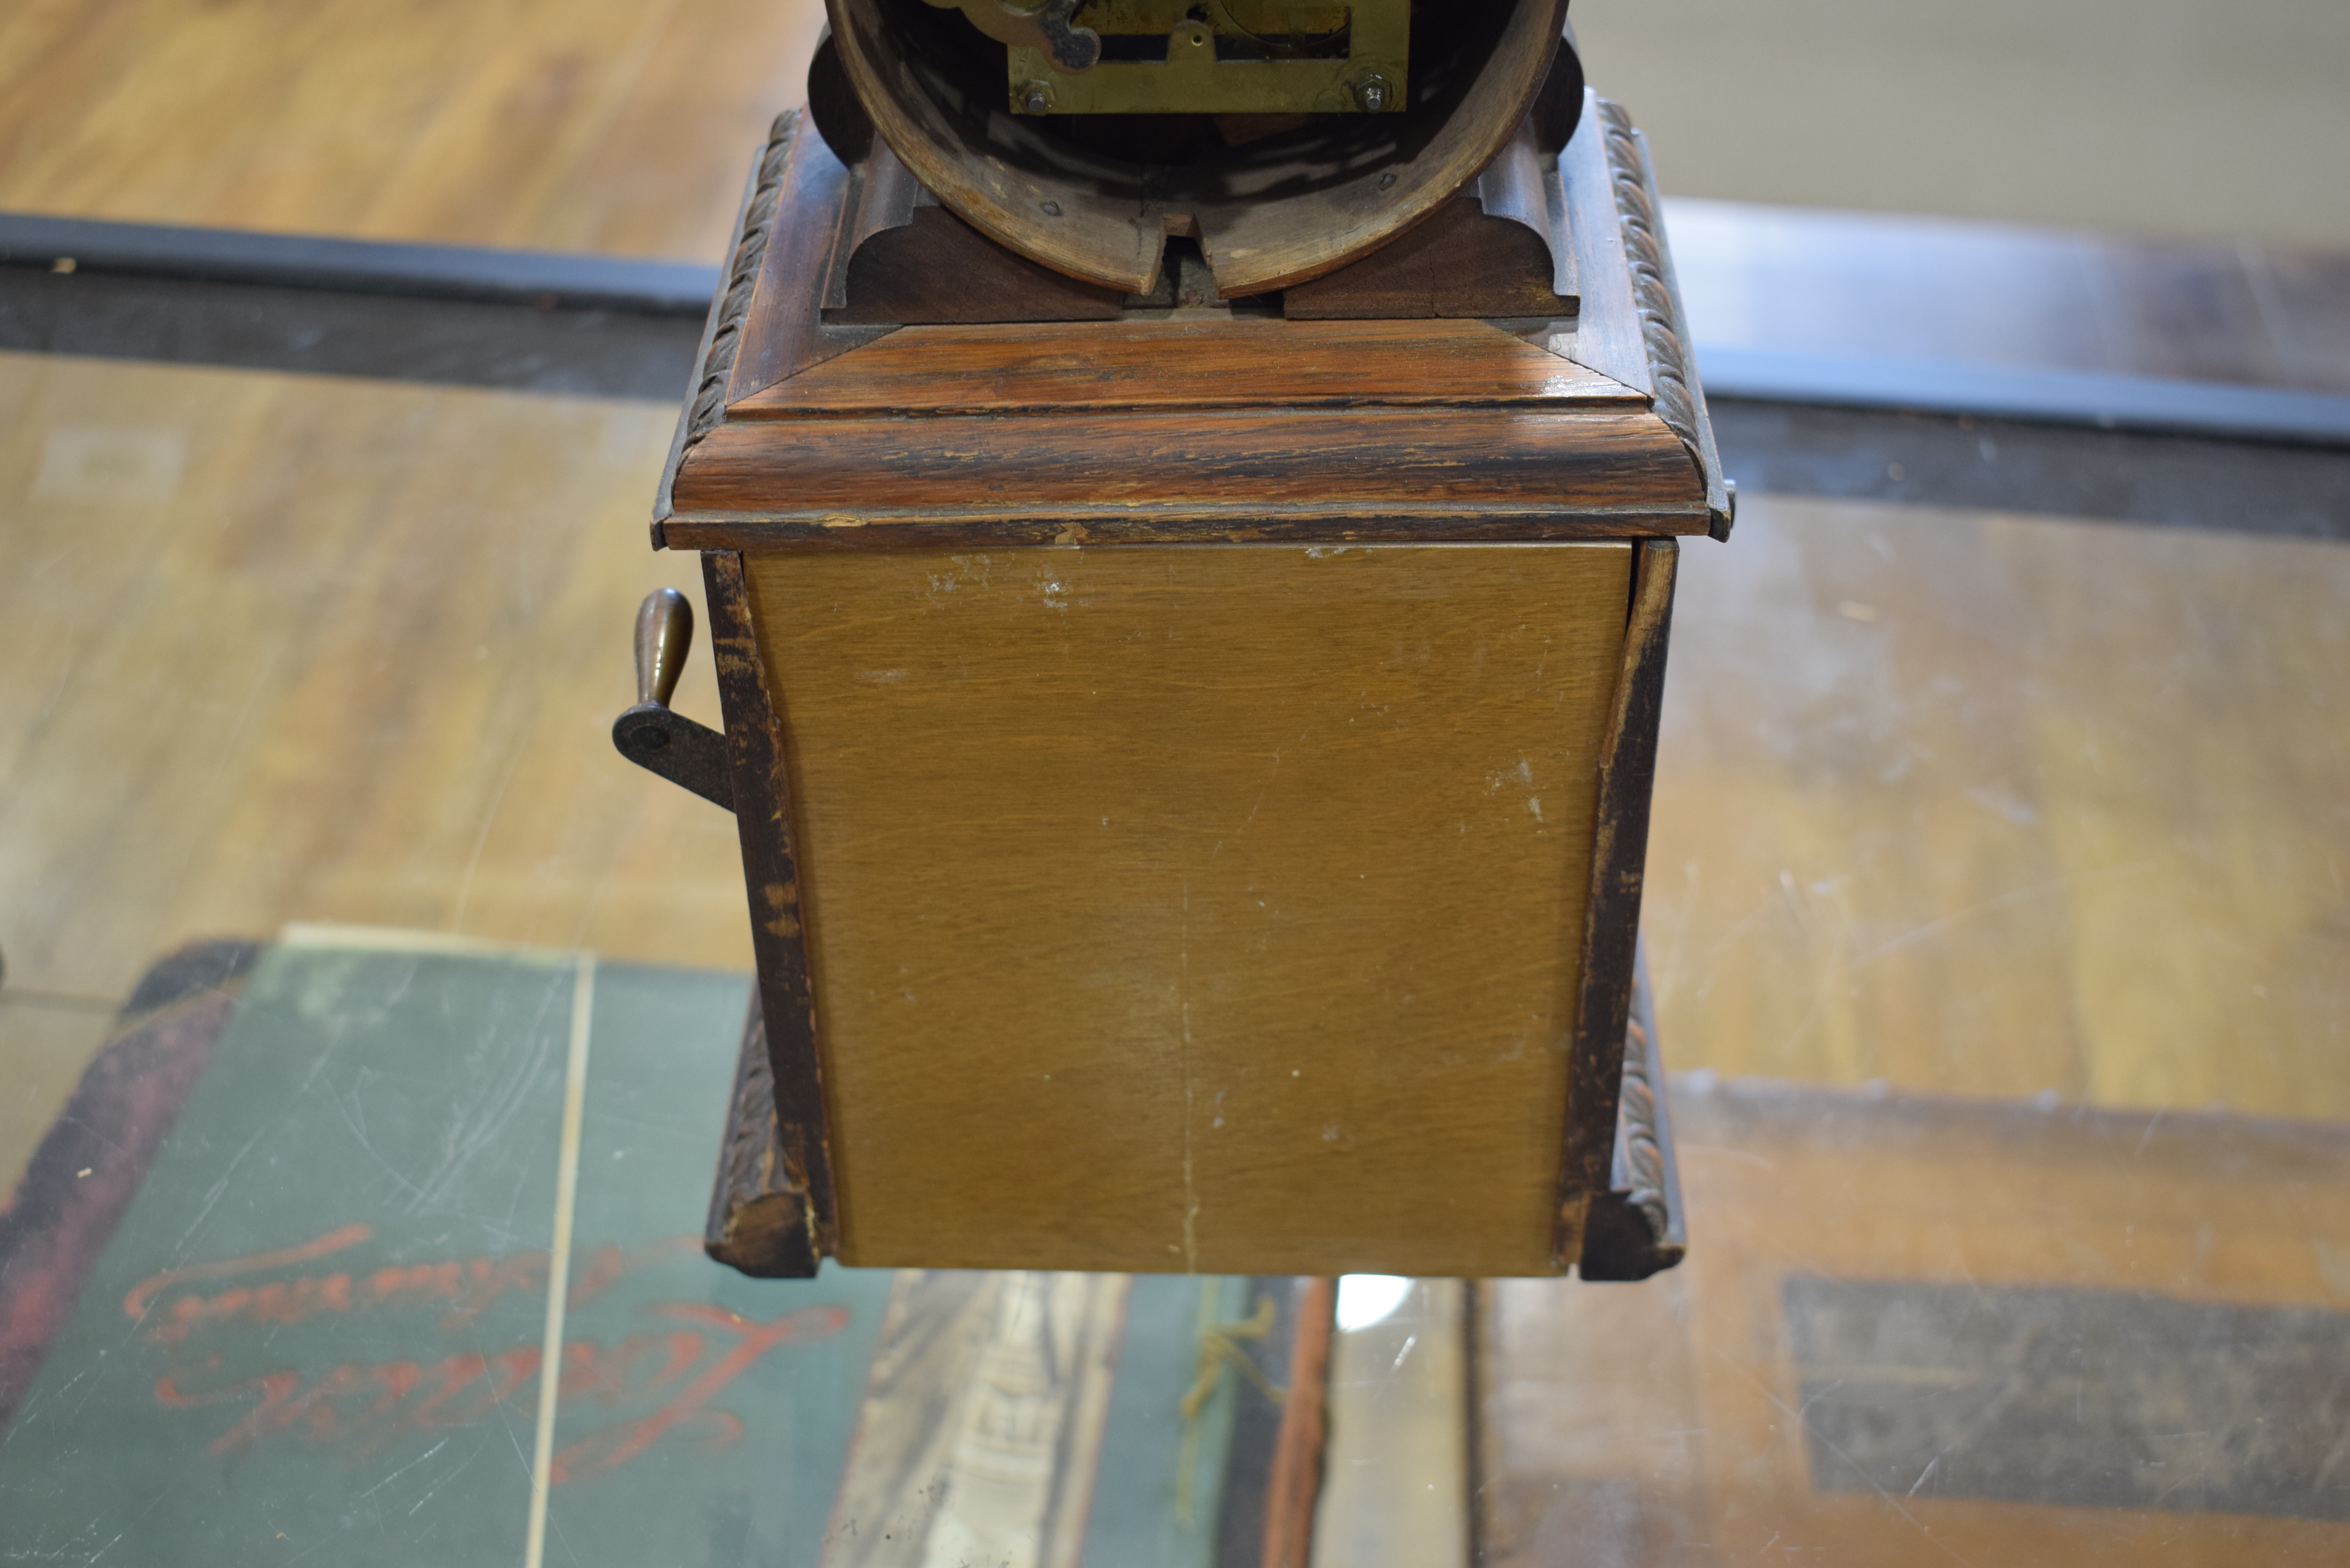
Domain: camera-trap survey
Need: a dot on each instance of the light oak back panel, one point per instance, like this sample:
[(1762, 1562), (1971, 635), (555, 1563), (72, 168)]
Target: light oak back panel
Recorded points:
[(1207, 907)]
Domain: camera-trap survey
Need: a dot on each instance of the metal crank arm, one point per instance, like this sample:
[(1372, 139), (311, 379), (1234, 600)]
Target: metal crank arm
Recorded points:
[(651, 734)]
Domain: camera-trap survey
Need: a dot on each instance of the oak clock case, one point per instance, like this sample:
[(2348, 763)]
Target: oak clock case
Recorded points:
[(1190, 592)]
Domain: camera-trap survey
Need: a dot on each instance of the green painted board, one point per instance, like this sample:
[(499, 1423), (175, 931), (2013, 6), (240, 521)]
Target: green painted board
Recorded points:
[(316, 1334)]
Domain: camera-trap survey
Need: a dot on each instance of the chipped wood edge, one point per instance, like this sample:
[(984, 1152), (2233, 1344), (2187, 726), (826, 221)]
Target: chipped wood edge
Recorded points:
[(1628, 767), (1656, 292), (758, 1217), (762, 817), (722, 331)]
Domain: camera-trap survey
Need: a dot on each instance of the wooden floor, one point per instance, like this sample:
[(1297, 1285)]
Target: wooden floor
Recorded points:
[(2001, 804), (598, 125), (286, 648)]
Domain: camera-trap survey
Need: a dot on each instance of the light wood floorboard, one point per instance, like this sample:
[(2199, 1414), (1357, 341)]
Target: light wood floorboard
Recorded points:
[(2002, 805), (618, 126), (286, 648)]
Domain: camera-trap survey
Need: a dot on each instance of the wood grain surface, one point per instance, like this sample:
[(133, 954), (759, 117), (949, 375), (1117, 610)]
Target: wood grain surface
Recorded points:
[(297, 648), (2008, 805), (1461, 262), (1178, 363), (1203, 426), (936, 267), (1194, 426), (1219, 474), (1211, 910), (599, 125)]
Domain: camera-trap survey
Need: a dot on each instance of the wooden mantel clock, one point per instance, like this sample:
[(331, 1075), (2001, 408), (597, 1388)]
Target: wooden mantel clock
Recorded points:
[(1189, 498)]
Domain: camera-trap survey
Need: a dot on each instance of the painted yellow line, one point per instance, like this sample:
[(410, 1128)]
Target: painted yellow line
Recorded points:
[(558, 1263)]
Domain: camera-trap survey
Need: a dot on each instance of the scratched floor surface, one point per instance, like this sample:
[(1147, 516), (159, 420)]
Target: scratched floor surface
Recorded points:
[(2008, 805), (335, 1282), (414, 1278)]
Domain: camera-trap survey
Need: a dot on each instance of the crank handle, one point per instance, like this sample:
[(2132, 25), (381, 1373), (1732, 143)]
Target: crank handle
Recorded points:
[(651, 734)]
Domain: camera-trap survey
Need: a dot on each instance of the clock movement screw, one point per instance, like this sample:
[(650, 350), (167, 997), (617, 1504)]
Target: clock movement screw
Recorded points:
[(1036, 97)]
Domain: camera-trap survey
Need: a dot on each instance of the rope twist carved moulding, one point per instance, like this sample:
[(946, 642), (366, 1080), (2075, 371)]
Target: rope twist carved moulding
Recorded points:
[(1643, 256), (741, 280)]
